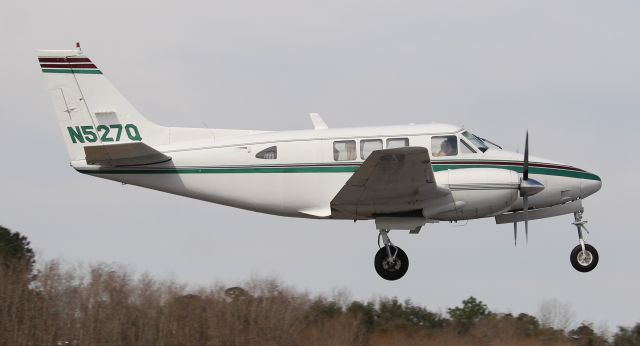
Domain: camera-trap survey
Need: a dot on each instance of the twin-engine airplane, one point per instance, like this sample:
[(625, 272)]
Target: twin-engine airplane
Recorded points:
[(403, 177)]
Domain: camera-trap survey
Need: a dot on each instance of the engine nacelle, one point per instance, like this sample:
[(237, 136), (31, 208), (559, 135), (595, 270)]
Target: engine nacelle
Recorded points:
[(479, 192)]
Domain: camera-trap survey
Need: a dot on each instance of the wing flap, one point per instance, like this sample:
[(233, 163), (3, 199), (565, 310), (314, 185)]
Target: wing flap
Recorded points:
[(124, 154)]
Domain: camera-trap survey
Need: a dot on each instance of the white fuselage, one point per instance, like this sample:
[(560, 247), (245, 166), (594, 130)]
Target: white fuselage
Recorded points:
[(302, 176)]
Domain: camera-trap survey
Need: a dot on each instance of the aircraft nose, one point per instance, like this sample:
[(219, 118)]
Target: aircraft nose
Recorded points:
[(590, 185)]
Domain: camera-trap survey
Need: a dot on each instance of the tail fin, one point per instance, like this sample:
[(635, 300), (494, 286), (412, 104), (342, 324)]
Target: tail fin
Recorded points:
[(90, 111)]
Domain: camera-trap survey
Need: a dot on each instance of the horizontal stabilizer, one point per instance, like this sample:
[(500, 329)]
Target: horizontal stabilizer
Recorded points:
[(542, 213), (125, 154)]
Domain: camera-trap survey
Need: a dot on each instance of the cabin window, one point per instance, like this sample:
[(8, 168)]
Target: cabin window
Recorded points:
[(344, 150), (466, 148), (367, 146), (271, 153), (397, 143), (444, 145)]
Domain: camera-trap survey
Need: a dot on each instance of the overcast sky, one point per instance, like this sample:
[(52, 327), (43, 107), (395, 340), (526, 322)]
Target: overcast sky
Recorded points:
[(566, 70)]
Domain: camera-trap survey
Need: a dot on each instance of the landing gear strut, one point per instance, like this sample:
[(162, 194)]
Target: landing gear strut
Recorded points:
[(390, 262), (584, 257)]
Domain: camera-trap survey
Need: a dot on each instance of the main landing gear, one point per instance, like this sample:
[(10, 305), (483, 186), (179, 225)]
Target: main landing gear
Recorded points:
[(584, 257), (391, 262)]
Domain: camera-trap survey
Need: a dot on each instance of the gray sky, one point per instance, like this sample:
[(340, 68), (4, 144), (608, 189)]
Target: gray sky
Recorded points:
[(568, 71)]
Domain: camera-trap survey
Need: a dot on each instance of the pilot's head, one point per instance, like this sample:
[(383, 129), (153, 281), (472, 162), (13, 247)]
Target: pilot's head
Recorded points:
[(448, 146)]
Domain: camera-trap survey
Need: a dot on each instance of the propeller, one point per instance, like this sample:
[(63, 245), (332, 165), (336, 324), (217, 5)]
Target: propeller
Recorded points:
[(528, 187)]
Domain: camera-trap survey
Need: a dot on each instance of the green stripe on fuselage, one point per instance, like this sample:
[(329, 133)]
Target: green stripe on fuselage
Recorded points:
[(328, 169), (227, 170)]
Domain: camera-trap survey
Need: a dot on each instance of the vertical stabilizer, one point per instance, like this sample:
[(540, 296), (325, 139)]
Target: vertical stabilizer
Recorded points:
[(90, 110)]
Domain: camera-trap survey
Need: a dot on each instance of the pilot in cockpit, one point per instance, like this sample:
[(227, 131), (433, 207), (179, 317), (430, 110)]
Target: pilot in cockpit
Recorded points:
[(448, 147)]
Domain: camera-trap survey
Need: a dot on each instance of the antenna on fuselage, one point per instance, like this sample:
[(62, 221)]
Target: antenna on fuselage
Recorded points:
[(318, 122)]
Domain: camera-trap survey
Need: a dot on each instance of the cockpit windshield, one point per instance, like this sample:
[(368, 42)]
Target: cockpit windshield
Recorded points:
[(479, 143)]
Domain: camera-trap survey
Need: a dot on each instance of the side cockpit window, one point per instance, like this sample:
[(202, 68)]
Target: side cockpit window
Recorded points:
[(271, 153), (444, 145), (344, 150)]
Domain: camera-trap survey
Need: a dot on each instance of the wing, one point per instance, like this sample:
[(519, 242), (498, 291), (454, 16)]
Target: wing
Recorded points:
[(389, 181)]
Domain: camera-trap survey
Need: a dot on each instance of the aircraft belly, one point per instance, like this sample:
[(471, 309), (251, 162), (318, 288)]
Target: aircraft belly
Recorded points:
[(263, 194), (283, 194), (304, 191)]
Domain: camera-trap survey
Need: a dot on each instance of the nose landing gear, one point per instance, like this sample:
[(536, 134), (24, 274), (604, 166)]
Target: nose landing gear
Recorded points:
[(391, 262), (584, 257)]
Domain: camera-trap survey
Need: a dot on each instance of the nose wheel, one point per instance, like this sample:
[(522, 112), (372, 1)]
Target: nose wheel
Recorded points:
[(391, 262), (584, 260), (584, 257)]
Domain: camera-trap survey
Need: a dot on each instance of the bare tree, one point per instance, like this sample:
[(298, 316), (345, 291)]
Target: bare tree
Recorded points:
[(556, 314), (106, 304)]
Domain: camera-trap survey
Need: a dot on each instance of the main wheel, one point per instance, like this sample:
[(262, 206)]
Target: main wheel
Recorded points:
[(388, 268), (584, 261)]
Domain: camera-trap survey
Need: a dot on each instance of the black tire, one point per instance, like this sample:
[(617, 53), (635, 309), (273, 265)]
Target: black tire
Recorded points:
[(577, 258), (386, 269)]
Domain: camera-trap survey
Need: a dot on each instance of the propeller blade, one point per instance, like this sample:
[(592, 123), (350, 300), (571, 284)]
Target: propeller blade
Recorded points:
[(525, 166), (515, 234), (526, 217)]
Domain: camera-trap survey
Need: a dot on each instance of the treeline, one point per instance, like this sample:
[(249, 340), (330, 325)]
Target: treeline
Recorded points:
[(105, 304)]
